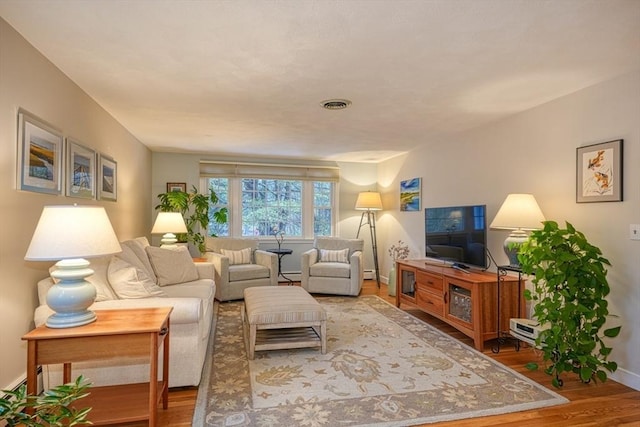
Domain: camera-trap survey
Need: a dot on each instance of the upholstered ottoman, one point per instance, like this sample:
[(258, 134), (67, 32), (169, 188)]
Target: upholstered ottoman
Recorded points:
[(282, 317)]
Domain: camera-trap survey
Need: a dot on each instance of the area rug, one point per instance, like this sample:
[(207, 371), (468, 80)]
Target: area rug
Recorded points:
[(383, 367)]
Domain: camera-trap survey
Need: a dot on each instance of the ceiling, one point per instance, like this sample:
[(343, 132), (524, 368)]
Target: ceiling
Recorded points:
[(247, 77)]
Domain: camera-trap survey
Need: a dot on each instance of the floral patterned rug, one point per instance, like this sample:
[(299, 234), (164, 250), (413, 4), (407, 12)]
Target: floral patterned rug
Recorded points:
[(383, 367)]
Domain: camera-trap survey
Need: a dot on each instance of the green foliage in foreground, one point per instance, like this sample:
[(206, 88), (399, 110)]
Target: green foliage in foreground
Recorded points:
[(569, 290), (52, 408)]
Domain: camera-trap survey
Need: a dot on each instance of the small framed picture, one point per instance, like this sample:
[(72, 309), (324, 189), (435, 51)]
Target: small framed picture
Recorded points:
[(81, 170), (176, 186), (107, 178), (40, 155), (599, 172), (410, 194)]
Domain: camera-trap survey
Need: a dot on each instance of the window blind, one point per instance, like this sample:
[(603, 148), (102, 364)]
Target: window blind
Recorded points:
[(217, 169)]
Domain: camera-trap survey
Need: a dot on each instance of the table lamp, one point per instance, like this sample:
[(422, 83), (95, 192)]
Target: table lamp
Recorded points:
[(169, 223), (370, 201), (518, 213), (69, 234)]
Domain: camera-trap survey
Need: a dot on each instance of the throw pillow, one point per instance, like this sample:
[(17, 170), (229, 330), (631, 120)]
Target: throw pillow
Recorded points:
[(133, 251), (243, 256), (172, 265), (341, 255), (130, 282)]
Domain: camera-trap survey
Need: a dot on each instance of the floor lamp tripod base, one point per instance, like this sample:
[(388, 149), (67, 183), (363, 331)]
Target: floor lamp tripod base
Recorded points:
[(371, 222)]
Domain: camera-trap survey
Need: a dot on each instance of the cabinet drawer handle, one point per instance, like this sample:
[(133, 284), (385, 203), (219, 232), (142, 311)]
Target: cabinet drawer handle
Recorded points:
[(445, 297), (163, 331)]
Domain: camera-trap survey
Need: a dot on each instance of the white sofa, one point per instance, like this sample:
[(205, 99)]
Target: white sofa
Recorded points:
[(131, 279)]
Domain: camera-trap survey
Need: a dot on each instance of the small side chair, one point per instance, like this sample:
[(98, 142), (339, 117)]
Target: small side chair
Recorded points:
[(334, 266), (239, 264)]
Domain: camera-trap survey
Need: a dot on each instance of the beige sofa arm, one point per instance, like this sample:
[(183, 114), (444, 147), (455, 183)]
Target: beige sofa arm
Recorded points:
[(309, 258), (357, 271), (206, 270), (221, 267), (269, 260)]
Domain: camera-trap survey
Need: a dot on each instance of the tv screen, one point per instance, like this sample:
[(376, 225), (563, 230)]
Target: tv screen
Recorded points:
[(457, 234)]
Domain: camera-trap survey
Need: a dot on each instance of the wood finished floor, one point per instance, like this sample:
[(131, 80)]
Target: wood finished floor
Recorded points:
[(604, 404)]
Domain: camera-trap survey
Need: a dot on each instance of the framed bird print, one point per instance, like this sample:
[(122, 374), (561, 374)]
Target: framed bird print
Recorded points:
[(599, 172)]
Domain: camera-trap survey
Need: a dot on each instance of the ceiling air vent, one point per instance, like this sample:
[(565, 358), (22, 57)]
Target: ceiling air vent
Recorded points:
[(335, 104)]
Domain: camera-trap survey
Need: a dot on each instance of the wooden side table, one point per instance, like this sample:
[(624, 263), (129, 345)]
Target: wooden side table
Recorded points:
[(115, 333)]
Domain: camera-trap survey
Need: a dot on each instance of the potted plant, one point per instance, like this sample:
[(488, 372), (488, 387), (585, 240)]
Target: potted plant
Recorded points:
[(53, 408), (194, 207), (396, 251), (569, 289)]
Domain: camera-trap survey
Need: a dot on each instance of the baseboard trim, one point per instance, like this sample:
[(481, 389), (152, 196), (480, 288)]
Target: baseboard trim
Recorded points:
[(628, 378)]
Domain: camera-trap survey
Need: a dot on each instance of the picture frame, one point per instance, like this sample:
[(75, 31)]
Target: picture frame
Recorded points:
[(410, 195), (81, 170), (40, 155), (176, 186), (599, 172), (107, 178)]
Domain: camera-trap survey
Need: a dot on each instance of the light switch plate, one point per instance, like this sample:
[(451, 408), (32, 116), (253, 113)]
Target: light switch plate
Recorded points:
[(634, 231)]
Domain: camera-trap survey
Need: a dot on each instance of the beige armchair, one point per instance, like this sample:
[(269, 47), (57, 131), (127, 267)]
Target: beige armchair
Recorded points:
[(239, 264), (334, 266)]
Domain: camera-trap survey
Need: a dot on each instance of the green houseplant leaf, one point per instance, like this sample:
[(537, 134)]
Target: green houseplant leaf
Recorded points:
[(52, 408), (194, 207), (569, 281)]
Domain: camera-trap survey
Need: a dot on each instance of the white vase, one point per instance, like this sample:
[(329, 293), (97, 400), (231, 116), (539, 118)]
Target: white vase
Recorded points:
[(392, 281)]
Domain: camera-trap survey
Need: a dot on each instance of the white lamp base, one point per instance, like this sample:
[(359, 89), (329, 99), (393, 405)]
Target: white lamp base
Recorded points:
[(512, 246), (72, 295), (169, 239)]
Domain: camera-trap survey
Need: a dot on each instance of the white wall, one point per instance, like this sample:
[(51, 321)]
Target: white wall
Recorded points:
[(535, 152), (354, 177), (30, 81)]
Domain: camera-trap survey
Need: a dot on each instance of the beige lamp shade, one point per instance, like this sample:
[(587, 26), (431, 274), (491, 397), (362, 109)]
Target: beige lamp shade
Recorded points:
[(369, 201), (518, 212), (66, 232), (169, 222)]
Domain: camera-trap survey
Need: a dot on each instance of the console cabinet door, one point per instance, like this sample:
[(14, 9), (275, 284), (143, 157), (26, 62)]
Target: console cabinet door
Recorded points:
[(406, 283), (459, 303)]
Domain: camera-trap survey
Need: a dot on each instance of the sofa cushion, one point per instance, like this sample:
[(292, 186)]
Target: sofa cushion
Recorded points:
[(133, 251), (247, 272), (341, 255), (243, 256), (172, 265), (129, 281), (330, 269)]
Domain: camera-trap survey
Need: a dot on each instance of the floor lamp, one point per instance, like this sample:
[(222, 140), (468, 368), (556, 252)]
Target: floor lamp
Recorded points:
[(369, 202)]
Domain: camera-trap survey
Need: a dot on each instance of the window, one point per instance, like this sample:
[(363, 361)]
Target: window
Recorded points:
[(260, 207), (322, 208), (221, 187), (270, 206)]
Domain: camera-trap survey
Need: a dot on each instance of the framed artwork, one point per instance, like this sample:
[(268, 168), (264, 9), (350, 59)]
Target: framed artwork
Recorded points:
[(81, 170), (107, 178), (176, 186), (599, 172), (410, 195), (40, 155)]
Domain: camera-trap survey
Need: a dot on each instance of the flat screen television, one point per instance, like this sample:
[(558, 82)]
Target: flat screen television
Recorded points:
[(457, 235)]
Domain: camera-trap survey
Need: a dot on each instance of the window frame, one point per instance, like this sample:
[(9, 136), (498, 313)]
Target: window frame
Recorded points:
[(235, 199)]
